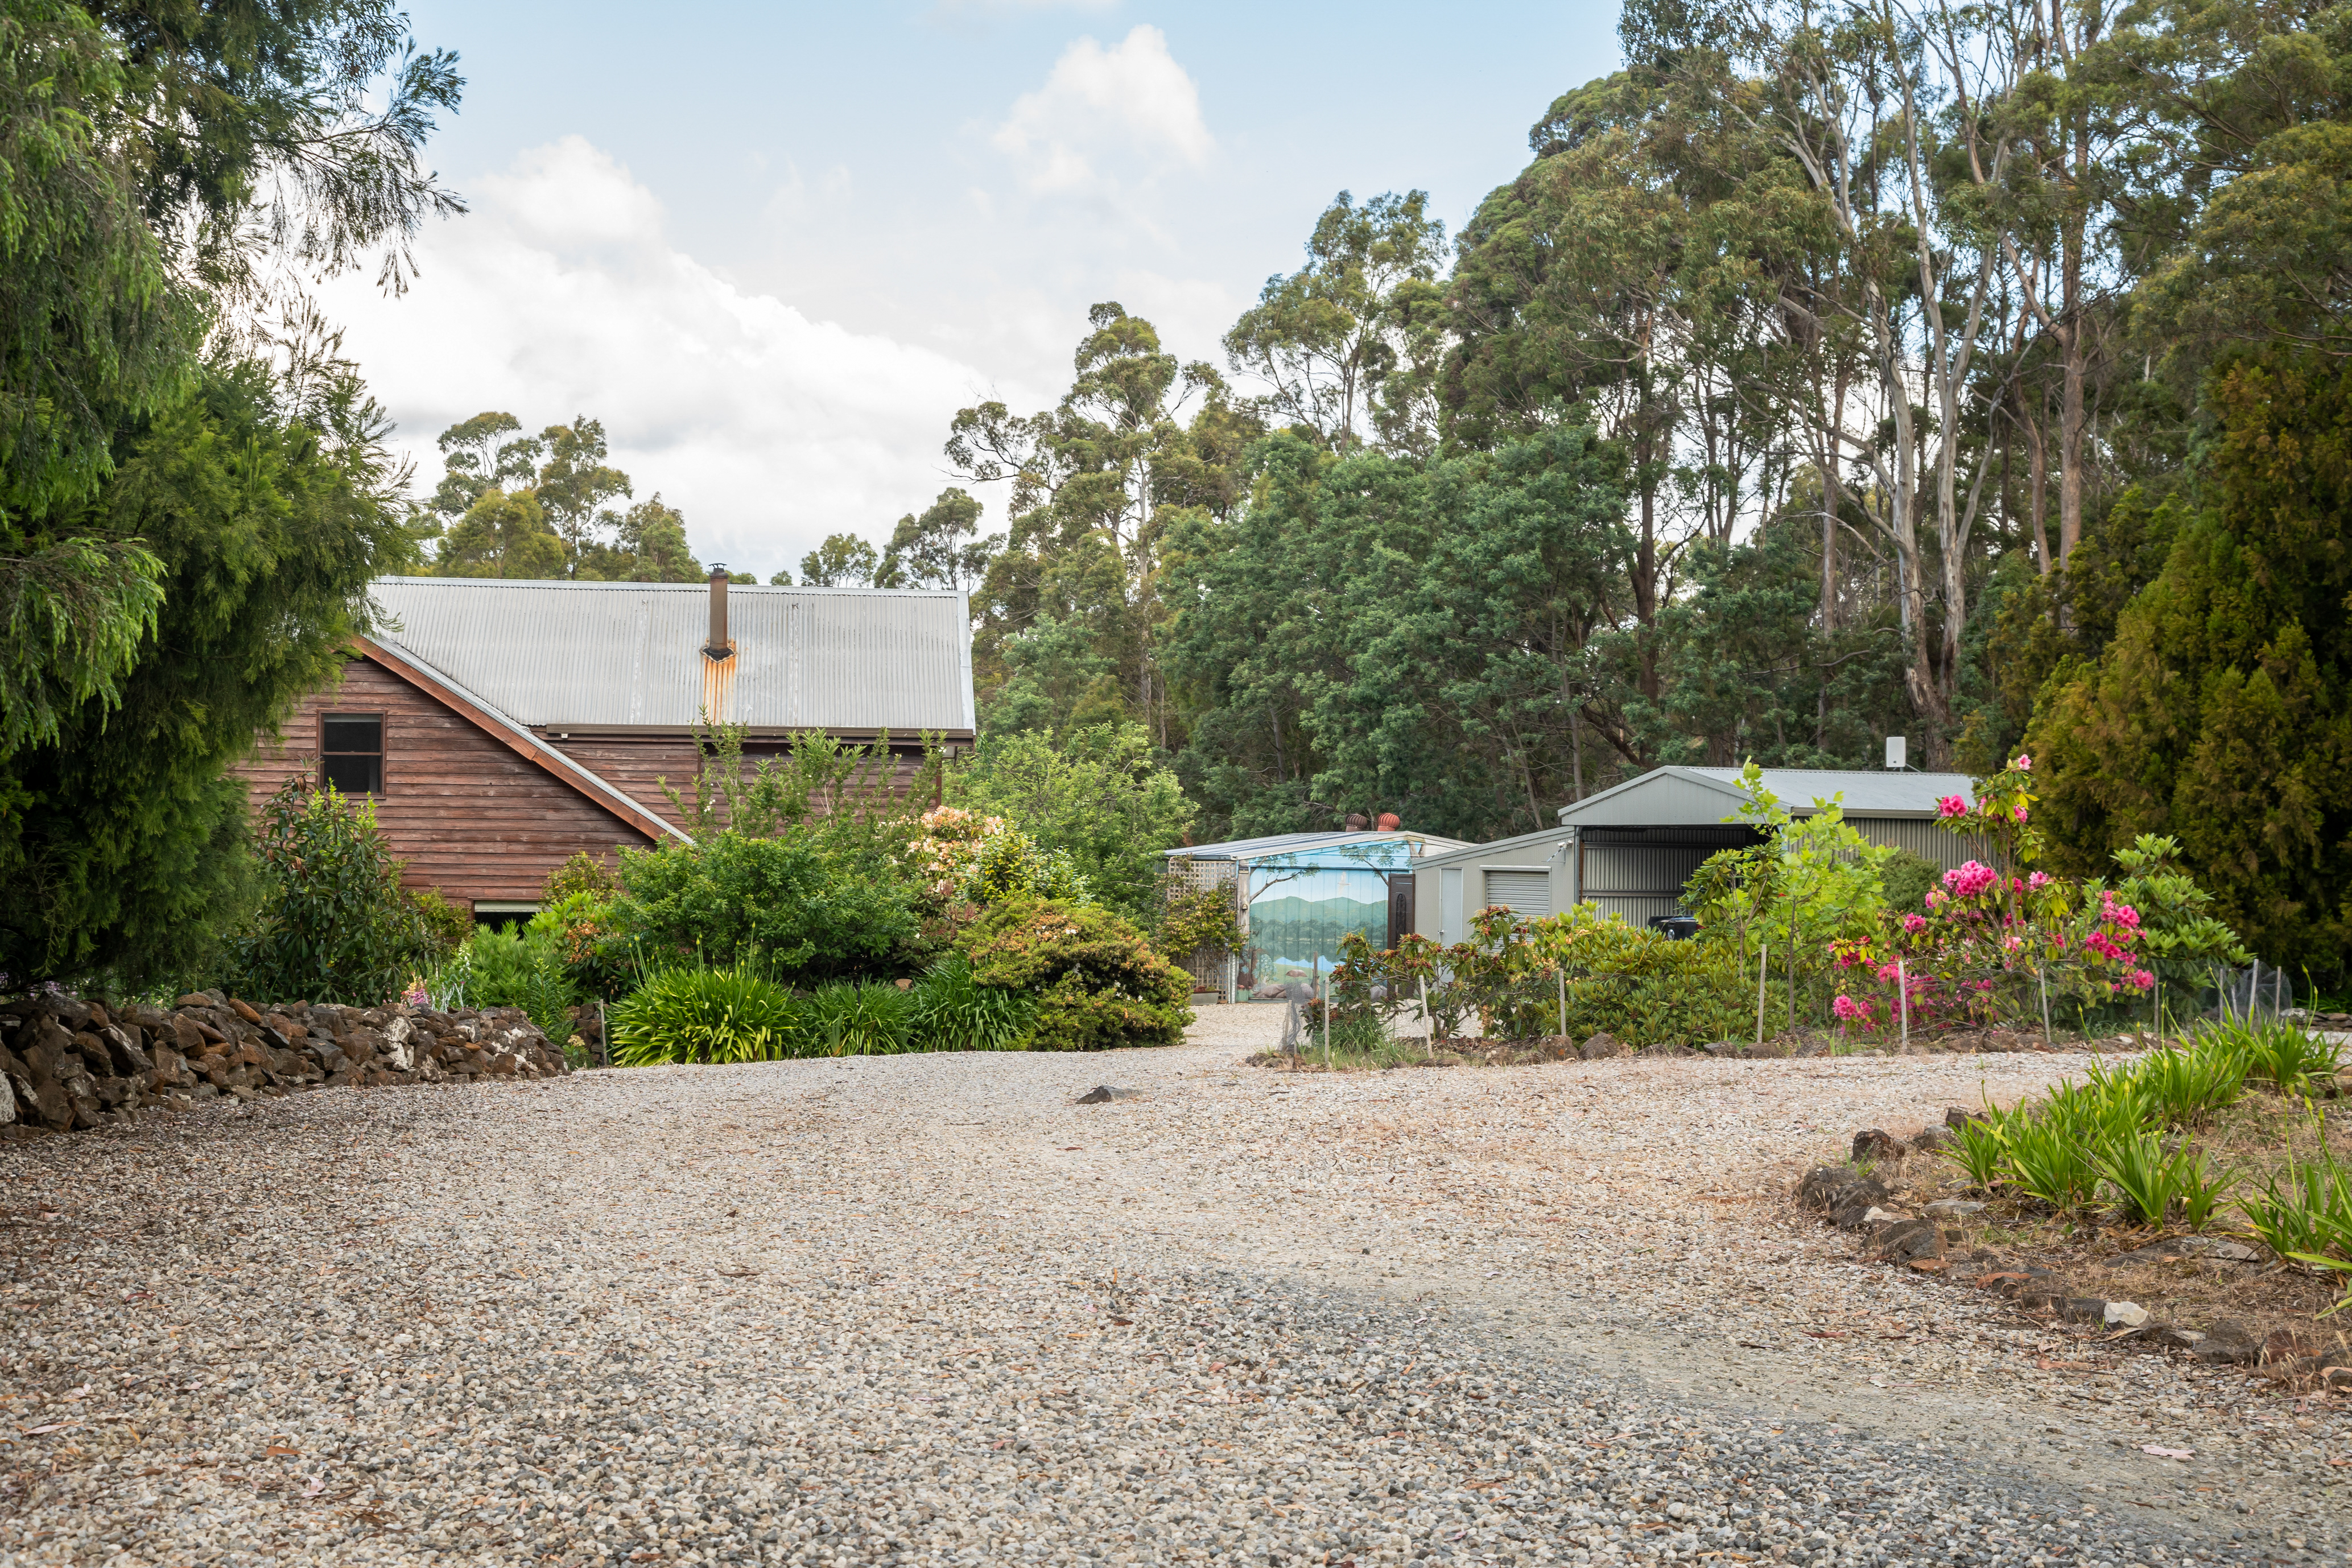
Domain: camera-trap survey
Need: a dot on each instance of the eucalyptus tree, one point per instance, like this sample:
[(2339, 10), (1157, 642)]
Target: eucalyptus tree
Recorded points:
[(1091, 484), (1348, 345), (1894, 114)]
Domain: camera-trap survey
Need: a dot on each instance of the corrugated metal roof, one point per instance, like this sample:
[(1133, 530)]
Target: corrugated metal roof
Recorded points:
[(1295, 843), (589, 656), (1542, 843), (1692, 796)]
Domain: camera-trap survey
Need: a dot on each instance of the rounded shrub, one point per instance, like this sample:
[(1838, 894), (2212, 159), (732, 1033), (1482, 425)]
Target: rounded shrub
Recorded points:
[(706, 1015), (1096, 983)]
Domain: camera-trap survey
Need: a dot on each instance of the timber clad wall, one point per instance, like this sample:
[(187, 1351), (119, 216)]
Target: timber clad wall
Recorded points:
[(635, 766), (469, 815)]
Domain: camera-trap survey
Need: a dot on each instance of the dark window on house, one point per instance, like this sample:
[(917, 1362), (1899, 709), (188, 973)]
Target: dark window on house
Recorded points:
[(350, 752)]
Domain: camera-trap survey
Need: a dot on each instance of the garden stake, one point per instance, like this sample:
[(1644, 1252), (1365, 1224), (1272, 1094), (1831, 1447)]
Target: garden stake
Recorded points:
[(1327, 1025), (1428, 1029), (1763, 968), (1563, 1002), (2278, 1008), (1792, 954), (2043, 975), (1902, 1001)]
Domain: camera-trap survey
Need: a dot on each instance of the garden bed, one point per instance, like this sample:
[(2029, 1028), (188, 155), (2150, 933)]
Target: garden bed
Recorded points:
[(1357, 1055), (2218, 1292)]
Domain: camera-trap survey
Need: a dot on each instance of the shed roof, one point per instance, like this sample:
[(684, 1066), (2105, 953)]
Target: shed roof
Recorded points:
[(628, 656), (1291, 844), (1684, 797), (1542, 843)]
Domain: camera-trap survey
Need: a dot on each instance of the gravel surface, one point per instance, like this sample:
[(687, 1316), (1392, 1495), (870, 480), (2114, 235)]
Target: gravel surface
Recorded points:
[(926, 1309)]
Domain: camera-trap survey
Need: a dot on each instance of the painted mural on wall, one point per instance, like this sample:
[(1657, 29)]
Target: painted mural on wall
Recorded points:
[(1298, 916)]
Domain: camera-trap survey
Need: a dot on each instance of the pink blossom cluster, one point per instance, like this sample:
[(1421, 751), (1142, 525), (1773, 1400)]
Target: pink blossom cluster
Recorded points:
[(1850, 1011), (1915, 924), (1971, 879), (2023, 765), (1950, 806)]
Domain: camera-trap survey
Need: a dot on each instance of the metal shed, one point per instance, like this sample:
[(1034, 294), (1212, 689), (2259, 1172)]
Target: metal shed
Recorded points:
[(1629, 850), (1298, 894)]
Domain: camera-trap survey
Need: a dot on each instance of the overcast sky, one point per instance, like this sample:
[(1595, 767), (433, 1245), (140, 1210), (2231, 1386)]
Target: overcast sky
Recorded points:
[(774, 248)]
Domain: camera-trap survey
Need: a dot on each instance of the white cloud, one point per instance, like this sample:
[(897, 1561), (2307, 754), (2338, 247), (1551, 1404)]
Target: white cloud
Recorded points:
[(1099, 104), (560, 296)]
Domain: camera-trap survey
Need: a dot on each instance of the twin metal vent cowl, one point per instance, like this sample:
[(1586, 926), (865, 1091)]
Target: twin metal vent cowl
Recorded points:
[(720, 646)]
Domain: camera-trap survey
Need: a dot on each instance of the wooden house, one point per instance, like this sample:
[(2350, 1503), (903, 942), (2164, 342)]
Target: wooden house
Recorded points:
[(501, 727)]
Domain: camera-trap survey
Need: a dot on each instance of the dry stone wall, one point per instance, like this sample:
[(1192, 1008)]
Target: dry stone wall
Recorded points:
[(72, 1064)]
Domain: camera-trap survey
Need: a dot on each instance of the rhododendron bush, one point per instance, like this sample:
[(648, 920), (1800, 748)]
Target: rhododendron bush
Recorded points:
[(2003, 943)]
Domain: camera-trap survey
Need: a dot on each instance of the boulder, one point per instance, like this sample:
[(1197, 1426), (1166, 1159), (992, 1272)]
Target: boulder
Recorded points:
[(1871, 1145), (1932, 1140), (1908, 1241), (1845, 1195), (1600, 1046)]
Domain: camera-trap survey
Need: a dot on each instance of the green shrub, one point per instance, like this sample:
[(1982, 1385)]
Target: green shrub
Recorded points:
[(706, 1015), (334, 925), (860, 1018), (1097, 984), (582, 928), (1635, 984), (1905, 879), (794, 907), (504, 969), (954, 1012), (447, 927)]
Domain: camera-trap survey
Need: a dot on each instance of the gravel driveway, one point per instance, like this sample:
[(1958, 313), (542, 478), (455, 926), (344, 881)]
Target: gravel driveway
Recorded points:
[(926, 1309)]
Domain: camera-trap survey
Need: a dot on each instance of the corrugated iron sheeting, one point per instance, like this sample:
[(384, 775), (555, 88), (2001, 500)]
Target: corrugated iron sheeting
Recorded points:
[(1923, 839), (591, 655), (1615, 870), (1636, 910)]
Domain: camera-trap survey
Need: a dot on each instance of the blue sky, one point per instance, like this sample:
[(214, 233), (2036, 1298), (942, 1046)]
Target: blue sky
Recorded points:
[(774, 248)]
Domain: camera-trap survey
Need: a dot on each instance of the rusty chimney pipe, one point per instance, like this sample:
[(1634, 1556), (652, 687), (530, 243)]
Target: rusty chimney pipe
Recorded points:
[(718, 648)]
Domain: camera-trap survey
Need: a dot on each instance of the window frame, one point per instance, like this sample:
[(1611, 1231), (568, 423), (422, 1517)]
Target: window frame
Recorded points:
[(382, 752)]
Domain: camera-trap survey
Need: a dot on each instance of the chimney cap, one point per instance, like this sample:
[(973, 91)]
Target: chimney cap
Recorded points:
[(719, 569)]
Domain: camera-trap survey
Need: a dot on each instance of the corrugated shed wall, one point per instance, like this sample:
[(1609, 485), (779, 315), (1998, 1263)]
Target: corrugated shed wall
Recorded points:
[(1639, 881), (1922, 838)]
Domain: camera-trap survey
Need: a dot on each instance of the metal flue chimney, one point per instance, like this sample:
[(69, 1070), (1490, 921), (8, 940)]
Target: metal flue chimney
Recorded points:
[(718, 648)]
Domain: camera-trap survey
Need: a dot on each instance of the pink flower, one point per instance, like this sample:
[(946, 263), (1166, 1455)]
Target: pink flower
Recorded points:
[(2141, 979), (2018, 811), (1969, 880), (1950, 806), (2038, 881), (1915, 924), (2023, 765), (1850, 1011)]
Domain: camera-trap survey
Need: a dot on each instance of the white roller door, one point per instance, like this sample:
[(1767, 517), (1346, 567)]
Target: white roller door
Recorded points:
[(1527, 894)]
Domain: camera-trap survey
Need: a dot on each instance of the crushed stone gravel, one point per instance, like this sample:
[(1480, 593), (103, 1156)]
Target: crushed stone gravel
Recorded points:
[(926, 1309)]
